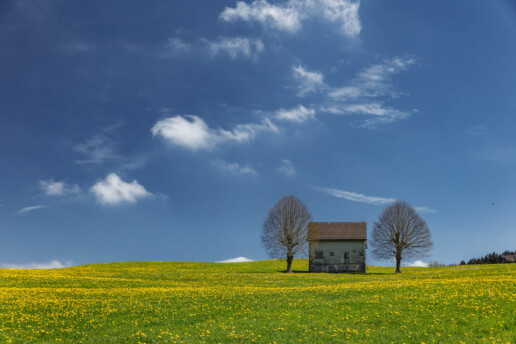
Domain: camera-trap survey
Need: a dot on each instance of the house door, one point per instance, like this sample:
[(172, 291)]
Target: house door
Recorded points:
[(346, 258)]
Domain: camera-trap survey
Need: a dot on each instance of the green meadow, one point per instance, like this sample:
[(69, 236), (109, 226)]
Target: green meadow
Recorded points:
[(169, 302)]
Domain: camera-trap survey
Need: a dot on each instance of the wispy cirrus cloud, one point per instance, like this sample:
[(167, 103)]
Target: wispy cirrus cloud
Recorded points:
[(308, 81), (176, 46), (104, 148), (377, 113), (356, 197), (477, 130), (373, 81), (99, 148), (113, 190), (298, 114), (367, 95), (374, 200), (193, 133), (290, 15), (234, 168), (52, 188), (426, 210), (235, 47), (287, 168), (503, 155), (172, 47), (29, 209)]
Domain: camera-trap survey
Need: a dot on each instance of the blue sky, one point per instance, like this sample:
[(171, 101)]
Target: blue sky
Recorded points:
[(167, 131)]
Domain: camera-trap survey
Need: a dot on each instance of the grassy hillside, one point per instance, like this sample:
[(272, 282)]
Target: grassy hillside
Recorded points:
[(165, 302)]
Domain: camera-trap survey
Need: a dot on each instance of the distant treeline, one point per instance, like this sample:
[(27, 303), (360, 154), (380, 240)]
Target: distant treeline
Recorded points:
[(494, 258)]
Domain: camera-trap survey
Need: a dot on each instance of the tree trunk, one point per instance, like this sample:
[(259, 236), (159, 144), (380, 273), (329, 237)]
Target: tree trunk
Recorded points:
[(398, 264), (289, 264)]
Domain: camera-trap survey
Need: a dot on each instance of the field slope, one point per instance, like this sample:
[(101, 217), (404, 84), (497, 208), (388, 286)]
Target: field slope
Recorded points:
[(167, 302)]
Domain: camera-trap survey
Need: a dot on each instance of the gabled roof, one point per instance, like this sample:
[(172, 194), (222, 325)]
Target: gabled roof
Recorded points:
[(337, 231)]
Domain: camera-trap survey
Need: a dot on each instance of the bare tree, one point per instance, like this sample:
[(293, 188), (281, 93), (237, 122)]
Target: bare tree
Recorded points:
[(400, 233), (284, 230)]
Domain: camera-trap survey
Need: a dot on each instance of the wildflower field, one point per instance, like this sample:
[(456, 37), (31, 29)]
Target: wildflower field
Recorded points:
[(166, 302)]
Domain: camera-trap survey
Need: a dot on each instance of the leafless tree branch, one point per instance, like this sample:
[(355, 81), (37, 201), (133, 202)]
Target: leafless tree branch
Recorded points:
[(400, 233)]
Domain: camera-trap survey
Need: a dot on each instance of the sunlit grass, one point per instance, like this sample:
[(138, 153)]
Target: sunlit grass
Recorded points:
[(165, 302)]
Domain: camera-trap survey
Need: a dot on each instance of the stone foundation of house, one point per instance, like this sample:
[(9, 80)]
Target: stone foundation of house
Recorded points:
[(336, 268)]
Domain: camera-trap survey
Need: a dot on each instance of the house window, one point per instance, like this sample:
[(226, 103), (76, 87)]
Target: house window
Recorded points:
[(319, 255), (346, 257), (331, 254)]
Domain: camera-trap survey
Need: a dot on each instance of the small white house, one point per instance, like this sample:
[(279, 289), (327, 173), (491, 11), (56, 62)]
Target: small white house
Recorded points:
[(337, 246)]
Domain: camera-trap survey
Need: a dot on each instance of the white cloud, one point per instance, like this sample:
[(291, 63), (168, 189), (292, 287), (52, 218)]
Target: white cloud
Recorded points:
[(285, 18), (187, 131), (287, 168), (344, 12), (114, 190), (52, 188), (193, 133), (309, 82), (234, 167), (419, 263), (425, 210), (356, 197), (236, 260), (289, 16), (31, 208), (299, 114), (55, 264), (236, 46)]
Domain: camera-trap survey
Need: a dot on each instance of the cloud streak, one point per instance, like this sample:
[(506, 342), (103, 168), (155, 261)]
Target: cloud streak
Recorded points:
[(374, 200), (29, 209), (356, 197), (426, 210)]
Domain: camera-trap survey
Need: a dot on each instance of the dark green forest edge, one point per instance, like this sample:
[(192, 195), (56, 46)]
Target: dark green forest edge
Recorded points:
[(493, 258)]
